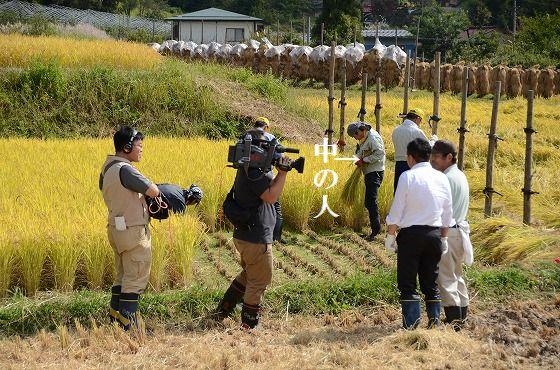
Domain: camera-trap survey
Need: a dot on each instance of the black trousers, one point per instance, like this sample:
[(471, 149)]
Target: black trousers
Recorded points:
[(400, 167), (418, 254), (373, 181)]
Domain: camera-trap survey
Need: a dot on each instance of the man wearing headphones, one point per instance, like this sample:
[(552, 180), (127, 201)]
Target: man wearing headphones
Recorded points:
[(123, 189), (263, 124)]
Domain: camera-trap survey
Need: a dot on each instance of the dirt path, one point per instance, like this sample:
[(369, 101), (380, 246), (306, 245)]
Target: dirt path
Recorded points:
[(249, 105), (519, 335)]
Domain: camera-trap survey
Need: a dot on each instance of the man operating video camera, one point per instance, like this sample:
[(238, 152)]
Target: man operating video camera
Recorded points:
[(250, 207)]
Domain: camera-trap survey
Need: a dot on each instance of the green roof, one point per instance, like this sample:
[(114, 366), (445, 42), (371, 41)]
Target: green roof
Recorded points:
[(213, 14)]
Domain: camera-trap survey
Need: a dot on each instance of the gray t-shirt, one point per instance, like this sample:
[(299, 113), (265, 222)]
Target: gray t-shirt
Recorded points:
[(248, 191), (131, 179)]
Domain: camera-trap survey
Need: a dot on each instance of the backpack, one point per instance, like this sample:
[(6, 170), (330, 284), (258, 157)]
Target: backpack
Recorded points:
[(240, 217)]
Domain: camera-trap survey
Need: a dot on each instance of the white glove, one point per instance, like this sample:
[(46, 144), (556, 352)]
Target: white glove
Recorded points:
[(391, 243), (444, 245), (433, 139)]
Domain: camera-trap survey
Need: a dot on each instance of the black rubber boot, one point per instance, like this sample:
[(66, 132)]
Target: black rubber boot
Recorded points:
[(250, 315), (114, 305), (128, 305), (433, 309), (233, 296), (410, 313), (453, 317)]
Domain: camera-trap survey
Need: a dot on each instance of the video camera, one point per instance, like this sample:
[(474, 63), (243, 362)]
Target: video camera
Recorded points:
[(251, 152)]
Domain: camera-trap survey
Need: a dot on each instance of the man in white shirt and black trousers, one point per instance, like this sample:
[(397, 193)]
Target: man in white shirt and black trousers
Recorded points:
[(422, 210)]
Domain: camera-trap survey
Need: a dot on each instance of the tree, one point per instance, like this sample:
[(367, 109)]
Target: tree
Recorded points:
[(478, 12), (340, 17), (439, 30), (393, 12)]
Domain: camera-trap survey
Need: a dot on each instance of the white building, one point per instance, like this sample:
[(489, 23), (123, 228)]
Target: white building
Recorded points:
[(212, 24)]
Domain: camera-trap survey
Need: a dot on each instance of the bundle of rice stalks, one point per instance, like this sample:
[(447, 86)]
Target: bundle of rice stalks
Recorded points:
[(351, 187), (501, 240)]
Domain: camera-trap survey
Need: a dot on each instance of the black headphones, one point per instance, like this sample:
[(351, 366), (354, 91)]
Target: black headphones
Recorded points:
[(128, 146)]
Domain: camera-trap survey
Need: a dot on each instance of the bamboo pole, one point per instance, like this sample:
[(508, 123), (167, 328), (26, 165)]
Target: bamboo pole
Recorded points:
[(529, 131), (415, 56), (342, 104), (363, 112), (378, 105), (322, 33), (462, 128), (277, 32), (406, 83), (331, 93), (355, 35), (492, 144), (436, 92)]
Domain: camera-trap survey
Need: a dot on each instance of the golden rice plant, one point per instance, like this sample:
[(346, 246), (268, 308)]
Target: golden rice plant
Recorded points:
[(7, 253), (501, 240), (162, 238), (64, 252), (96, 256), (188, 233), (20, 51), (31, 253)]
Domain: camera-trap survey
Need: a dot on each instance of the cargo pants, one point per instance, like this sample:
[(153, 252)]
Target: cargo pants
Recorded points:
[(133, 257), (256, 261)]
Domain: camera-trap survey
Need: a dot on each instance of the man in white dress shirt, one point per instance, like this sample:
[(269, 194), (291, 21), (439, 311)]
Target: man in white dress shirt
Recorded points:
[(454, 293), (403, 134), (422, 211)]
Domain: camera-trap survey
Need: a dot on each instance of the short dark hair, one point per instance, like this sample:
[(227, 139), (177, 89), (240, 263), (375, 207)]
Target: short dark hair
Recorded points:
[(419, 149), (259, 124), (445, 147), (124, 135)]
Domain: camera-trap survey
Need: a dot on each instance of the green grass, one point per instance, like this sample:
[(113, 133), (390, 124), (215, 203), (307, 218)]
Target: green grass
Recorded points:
[(22, 315)]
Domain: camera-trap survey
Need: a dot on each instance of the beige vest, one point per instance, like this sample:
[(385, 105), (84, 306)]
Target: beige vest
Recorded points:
[(119, 200)]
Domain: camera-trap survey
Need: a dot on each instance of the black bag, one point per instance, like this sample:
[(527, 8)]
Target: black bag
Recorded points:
[(240, 217)]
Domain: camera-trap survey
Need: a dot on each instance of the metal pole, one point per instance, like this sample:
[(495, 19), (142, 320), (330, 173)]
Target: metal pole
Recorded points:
[(303, 34), (378, 105), (492, 143), (396, 38), (462, 129), (331, 94), (363, 112), (202, 33), (436, 92), (291, 30), (309, 31), (529, 131), (322, 33), (406, 83), (342, 104)]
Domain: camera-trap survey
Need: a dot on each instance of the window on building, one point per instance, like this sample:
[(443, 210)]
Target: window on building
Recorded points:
[(235, 34)]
